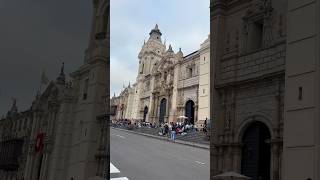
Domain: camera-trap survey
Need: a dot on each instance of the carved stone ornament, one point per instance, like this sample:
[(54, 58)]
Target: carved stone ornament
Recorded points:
[(228, 120)]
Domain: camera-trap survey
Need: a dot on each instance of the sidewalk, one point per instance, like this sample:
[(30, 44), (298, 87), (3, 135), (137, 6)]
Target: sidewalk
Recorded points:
[(193, 144)]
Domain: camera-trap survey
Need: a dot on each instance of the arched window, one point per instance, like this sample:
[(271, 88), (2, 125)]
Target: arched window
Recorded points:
[(142, 68), (189, 72)]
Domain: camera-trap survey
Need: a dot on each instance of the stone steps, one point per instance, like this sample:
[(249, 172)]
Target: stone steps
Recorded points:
[(197, 137)]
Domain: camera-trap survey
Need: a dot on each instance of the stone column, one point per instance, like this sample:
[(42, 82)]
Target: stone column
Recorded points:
[(28, 163), (49, 124), (166, 117), (35, 168), (214, 153), (31, 157), (154, 106), (237, 158), (156, 110), (151, 109), (227, 165), (275, 161), (52, 123), (220, 159), (195, 114), (44, 167)]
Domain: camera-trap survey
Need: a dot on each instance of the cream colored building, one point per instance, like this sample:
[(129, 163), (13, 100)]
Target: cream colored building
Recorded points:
[(301, 137), (168, 85), (204, 80)]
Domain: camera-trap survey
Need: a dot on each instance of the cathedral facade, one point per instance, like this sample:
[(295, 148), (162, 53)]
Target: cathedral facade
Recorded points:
[(249, 53), (168, 86), (265, 100), (64, 133)]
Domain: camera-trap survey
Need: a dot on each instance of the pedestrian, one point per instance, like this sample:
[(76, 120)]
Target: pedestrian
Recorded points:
[(166, 128), (205, 126), (173, 132)]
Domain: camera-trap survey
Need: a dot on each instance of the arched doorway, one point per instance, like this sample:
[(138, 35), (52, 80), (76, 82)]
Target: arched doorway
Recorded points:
[(145, 112), (256, 154), (189, 111), (162, 113)]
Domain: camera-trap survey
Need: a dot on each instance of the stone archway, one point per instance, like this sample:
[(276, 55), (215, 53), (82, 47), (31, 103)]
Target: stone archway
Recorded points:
[(189, 111), (103, 13), (163, 110), (256, 151)]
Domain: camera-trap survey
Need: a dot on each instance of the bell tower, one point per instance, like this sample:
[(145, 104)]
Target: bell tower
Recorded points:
[(150, 55), (151, 51), (155, 33)]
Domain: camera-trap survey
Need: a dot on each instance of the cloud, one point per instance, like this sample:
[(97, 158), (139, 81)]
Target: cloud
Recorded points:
[(184, 23), (121, 74), (37, 34)]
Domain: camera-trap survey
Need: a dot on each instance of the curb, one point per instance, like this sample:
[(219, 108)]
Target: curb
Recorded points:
[(192, 144)]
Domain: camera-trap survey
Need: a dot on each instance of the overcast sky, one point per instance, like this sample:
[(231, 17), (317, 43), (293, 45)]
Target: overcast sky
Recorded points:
[(41, 34), (183, 23), (36, 35)]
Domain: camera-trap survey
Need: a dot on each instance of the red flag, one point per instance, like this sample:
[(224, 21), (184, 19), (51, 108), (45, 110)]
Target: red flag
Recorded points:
[(39, 142)]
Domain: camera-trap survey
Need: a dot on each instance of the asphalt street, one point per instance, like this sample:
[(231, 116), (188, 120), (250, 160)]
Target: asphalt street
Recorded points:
[(137, 157)]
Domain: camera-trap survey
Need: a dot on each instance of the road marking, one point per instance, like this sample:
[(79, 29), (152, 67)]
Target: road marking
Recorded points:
[(113, 169), (121, 178), (200, 162), (118, 135), (121, 136)]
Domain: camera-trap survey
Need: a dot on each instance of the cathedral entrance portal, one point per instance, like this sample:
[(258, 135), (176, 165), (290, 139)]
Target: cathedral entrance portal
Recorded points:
[(189, 111), (163, 107), (256, 154), (145, 112)]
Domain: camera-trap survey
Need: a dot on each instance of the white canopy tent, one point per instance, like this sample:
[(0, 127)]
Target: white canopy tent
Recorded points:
[(181, 118)]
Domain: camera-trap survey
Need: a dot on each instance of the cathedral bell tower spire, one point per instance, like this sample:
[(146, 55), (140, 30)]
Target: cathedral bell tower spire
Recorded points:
[(155, 33), (61, 78), (170, 49)]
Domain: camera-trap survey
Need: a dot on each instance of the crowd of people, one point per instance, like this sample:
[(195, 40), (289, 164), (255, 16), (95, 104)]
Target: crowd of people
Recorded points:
[(176, 128), (172, 128)]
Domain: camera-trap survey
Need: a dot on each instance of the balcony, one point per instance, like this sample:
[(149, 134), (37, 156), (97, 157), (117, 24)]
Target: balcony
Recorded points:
[(189, 82), (252, 65)]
